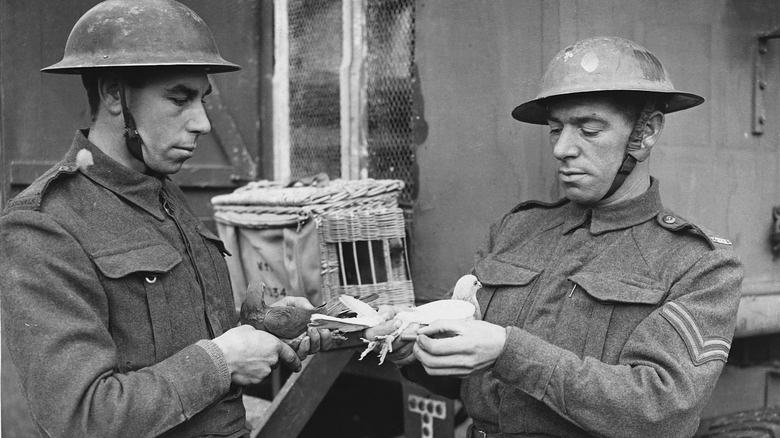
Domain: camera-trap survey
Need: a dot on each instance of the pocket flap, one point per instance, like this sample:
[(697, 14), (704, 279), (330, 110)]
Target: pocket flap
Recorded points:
[(494, 272), (137, 251), (608, 289)]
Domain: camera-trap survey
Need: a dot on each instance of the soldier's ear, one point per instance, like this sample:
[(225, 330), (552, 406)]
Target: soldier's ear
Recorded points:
[(109, 91), (652, 129)]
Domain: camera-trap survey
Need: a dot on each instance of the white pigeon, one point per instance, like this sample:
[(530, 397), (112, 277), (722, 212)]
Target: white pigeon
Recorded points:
[(463, 305), (422, 315), (466, 290)]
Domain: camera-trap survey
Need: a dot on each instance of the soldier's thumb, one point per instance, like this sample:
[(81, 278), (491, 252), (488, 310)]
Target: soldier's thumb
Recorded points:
[(288, 356)]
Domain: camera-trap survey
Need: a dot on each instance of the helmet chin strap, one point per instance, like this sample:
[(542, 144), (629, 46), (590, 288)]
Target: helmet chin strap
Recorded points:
[(635, 151), (625, 169), (133, 140)]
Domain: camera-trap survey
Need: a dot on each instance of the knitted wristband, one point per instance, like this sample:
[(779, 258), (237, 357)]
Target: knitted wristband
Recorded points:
[(218, 357)]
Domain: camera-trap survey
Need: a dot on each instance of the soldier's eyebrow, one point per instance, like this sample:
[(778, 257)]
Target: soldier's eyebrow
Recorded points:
[(186, 90), (579, 120)]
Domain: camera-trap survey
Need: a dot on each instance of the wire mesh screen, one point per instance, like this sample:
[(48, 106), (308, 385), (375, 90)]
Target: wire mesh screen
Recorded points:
[(315, 51), (389, 65), (315, 48)]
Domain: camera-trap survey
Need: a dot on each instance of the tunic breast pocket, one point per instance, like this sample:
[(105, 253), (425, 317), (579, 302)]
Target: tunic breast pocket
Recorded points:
[(136, 270), (506, 289), (607, 310)]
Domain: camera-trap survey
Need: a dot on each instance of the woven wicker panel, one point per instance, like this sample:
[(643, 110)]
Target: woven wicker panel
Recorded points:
[(383, 265), (361, 230), (394, 293), (336, 194)]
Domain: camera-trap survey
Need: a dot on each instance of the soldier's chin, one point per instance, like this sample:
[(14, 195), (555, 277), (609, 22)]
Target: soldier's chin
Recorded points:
[(167, 168), (579, 196)]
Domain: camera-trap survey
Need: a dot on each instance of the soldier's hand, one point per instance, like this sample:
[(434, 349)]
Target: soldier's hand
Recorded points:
[(459, 348), (252, 354), (313, 341)]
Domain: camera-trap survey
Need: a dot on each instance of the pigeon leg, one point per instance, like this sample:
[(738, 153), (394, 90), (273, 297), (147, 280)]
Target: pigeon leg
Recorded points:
[(387, 341), (369, 348)]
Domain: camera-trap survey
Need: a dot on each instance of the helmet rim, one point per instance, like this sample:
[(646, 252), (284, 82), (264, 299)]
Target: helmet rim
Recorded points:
[(535, 111), (140, 33)]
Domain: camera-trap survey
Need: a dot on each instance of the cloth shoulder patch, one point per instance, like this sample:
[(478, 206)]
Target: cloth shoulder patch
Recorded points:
[(720, 240), (527, 205), (30, 197), (702, 349)]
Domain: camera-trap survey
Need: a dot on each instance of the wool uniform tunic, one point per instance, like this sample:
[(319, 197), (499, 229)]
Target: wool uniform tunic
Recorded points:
[(111, 292), (619, 321)]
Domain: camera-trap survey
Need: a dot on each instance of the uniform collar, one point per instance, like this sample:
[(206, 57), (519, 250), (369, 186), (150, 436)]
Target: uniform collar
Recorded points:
[(617, 216), (135, 187)]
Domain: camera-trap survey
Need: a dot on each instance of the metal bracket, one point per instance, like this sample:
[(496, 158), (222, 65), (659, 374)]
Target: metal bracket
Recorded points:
[(759, 80), (774, 238)]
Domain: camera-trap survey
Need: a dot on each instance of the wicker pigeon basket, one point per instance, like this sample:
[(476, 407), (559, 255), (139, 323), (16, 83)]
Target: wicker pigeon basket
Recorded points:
[(342, 237)]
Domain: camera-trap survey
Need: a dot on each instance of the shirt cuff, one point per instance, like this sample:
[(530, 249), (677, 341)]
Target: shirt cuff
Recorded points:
[(218, 357), (527, 362)]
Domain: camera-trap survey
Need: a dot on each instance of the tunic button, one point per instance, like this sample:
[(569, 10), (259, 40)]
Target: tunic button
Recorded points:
[(151, 280), (670, 219)]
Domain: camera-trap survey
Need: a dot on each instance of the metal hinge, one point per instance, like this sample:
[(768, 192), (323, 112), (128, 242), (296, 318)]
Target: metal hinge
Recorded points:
[(759, 80)]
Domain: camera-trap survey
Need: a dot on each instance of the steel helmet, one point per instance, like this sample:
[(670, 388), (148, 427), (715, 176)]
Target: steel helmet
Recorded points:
[(604, 64), (140, 33)]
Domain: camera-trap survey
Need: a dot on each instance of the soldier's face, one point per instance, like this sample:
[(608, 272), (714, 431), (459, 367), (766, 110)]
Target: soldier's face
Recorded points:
[(170, 116), (589, 135)]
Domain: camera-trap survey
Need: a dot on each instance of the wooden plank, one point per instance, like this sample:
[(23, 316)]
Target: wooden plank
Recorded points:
[(299, 397), (281, 92), (772, 388), (354, 147), (738, 389), (226, 131), (266, 74), (255, 410), (25, 172), (235, 27), (753, 319)]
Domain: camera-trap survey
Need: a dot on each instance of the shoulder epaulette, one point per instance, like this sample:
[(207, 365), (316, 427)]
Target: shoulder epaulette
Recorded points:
[(675, 223), (30, 197), (527, 205)]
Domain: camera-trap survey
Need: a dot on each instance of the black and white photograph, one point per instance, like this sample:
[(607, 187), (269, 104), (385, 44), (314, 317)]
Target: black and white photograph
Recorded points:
[(390, 218)]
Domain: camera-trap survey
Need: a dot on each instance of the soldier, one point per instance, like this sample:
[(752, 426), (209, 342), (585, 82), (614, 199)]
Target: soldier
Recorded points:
[(116, 302), (604, 314)]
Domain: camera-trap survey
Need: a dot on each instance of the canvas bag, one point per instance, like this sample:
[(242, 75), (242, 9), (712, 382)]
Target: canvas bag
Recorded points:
[(279, 250)]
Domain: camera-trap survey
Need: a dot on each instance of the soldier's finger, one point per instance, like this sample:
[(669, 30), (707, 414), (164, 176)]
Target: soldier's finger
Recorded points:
[(288, 356)]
